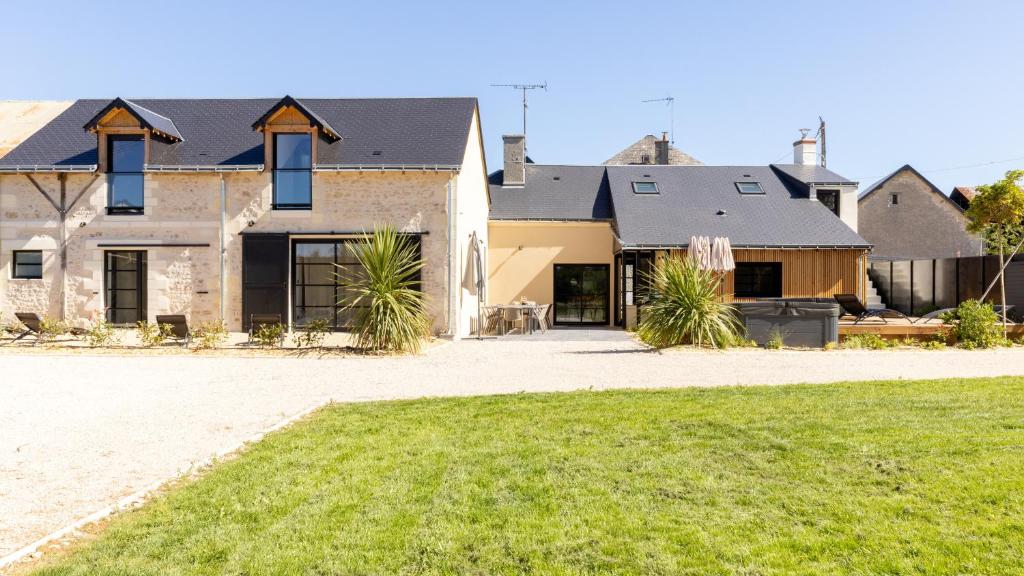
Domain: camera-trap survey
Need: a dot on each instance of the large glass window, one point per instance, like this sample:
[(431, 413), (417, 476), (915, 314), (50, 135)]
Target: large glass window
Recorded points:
[(293, 171), (318, 267), (28, 264), (758, 280), (581, 293), (125, 279), (126, 155)]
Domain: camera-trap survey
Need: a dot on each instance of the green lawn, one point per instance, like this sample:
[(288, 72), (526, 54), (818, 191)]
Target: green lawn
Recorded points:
[(858, 478)]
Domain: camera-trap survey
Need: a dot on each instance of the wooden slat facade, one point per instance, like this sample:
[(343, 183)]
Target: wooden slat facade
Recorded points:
[(810, 273)]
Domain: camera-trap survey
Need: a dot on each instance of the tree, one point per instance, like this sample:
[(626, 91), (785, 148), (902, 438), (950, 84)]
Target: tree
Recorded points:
[(997, 212)]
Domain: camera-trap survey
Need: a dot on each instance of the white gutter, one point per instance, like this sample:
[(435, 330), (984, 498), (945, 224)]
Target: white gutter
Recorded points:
[(386, 168), (34, 168), (203, 168)]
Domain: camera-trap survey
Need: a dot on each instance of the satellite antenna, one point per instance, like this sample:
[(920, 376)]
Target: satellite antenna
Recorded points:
[(524, 88), (671, 103)]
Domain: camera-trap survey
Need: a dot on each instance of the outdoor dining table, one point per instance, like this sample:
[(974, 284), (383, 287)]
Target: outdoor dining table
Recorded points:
[(527, 309)]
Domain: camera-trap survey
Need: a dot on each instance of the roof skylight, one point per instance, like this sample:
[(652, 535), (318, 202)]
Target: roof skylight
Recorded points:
[(645, 187), (749, 188)]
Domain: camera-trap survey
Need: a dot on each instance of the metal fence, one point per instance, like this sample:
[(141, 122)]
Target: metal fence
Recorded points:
[(915, 286)]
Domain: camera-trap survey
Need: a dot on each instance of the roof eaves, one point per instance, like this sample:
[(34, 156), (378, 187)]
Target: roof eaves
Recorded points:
[(140, 113), (314, 118)]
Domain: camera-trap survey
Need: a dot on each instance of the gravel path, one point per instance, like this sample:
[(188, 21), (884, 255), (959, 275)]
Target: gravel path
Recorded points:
[(78, 432)]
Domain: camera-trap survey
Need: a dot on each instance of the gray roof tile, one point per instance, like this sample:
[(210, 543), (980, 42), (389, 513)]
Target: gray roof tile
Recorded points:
[(413, 131), (811, 174), (553, 193)]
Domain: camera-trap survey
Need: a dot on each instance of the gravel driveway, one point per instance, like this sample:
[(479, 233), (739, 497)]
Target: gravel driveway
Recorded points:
[(78, 432)]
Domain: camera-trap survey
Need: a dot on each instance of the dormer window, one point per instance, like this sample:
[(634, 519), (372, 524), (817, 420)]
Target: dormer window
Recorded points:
[(293, 171), (126, 155)]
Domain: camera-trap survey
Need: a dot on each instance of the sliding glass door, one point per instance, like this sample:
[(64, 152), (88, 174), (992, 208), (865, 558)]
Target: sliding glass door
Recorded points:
[(125, 282), (581, 294)]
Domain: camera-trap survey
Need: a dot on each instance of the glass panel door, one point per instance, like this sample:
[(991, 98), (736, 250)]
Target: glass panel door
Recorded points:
[(125, 280), (581, 293)]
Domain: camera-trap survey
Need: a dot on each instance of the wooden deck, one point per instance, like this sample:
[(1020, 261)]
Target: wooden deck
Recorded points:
[(899, 328)]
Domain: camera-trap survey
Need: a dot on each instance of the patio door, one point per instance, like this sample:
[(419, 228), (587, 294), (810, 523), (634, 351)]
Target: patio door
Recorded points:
[(125, 283), (264, 276), (581, 294)]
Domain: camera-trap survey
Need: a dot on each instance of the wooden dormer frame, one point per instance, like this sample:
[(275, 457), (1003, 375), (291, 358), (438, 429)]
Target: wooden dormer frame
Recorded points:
[(290, 115), (118, 121)]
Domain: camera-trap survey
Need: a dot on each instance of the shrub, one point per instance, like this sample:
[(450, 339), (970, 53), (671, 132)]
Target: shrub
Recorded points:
[(684, 308), (933, 344), (313, 334), (926, 309), (101, 333), (269, 335), (829, 346), (210, 334), (153, 334), (389, 309), (974, 325), (50, 328), (868, 342), (774, 340)]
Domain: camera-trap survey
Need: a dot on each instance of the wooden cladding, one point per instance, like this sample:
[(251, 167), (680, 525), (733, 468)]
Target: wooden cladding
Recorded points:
[(810, 273)]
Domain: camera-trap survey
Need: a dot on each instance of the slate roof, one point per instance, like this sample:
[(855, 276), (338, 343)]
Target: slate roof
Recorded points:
[(410, 131), (578, 193), (690, 198), (812, 174)]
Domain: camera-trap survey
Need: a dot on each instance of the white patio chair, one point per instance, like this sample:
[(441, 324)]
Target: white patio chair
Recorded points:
[(511, 316), (540, 314)]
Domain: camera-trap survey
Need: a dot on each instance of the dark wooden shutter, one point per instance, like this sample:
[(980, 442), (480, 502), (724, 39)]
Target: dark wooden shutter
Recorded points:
[(264, 276)]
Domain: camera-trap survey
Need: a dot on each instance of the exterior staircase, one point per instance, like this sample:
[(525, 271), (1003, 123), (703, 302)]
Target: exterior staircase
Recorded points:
[(874, 299)]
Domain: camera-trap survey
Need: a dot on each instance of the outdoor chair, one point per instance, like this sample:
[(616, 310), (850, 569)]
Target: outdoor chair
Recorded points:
[(256, 321), (179, 327), (32, 323), (852, 306), (490, 320), (509, 317), (936, 314), (540, 314)]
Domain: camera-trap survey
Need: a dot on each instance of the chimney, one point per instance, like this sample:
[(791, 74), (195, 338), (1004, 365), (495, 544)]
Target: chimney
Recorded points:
[(805, 151), (661, 150), (515, 160)]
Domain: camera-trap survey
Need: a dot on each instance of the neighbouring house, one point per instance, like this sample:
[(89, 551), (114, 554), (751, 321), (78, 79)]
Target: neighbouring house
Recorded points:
[(584, 237), (907, 217), (962, 196), (20, 119), (652, 150), (220, 209)]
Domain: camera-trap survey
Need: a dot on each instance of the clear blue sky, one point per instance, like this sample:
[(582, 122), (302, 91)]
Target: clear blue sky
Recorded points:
[(936, 84)]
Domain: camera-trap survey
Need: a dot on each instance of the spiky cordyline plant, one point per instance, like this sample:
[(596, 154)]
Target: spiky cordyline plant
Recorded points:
[(684, 308), (389, 311)]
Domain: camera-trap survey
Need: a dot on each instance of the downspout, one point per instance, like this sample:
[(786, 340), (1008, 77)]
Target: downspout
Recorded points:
[(451, 326), (62, 232), (223, 247)]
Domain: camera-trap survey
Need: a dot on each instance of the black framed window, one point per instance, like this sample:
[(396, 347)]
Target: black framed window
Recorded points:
[(830, 198), (293, 171), (125, 283), (126, 155), (894, 199), (28, 264), (758, 280)]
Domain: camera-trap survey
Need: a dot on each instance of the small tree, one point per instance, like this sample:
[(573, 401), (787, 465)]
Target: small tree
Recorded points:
[(997, 212)]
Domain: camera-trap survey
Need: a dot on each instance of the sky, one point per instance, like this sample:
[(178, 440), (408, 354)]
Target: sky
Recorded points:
[(934, 84)]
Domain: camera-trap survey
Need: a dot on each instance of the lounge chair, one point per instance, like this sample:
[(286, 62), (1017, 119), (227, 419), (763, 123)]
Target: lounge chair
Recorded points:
[(32, 323), (934, 315), (256, 321), (852, 306), (179, 326)]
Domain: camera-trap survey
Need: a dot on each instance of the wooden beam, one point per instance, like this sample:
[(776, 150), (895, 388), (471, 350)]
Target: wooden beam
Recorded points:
[(43, 192)]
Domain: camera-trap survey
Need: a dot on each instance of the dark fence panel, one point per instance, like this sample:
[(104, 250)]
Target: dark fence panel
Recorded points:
[(913, 286)]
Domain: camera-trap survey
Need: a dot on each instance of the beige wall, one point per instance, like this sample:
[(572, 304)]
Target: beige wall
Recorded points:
[(523, 254), (472, 208)]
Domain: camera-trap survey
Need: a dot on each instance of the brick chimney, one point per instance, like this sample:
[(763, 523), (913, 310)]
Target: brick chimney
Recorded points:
[(661, 150), (515, 160), (805, 151)]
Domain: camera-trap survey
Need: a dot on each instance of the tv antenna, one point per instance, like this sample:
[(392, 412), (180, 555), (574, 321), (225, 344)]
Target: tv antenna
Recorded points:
[(671, 103), (821, 134), (524, 88)]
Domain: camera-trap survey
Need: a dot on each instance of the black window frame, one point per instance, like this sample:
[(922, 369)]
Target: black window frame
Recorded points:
[(834, 194), (638, 183), (14, 265), (760, 189), (292, 206), (741, 290), (111, 207), (894, 199)]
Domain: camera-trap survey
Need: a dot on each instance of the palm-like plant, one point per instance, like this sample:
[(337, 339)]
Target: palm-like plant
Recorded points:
[(684, 308), (389, 311)]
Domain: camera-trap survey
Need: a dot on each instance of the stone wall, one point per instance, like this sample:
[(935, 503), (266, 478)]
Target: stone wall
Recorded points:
[(924, 224)]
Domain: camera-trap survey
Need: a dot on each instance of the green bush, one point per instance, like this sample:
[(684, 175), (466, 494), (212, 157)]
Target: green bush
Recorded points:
[(210, 334), (389, 310), (269, 335), (775, 341), (100, 333), (868, 342), (313, 334), (974, 324), (684, 307), (153, 334)]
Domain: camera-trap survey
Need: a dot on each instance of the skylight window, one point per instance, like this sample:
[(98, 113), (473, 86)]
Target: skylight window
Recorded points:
[(749, 188), (645, 187)]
